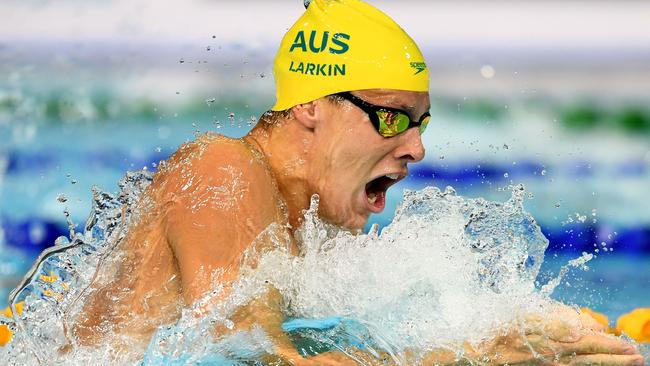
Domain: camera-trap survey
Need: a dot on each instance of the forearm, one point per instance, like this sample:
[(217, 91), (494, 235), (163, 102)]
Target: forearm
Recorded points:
[(266, 312)]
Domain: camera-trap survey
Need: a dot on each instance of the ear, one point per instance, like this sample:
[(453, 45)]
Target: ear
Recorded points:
[(307, 114)]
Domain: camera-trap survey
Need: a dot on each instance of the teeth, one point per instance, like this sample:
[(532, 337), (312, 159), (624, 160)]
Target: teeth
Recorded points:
[(392, 176), (372, 198)]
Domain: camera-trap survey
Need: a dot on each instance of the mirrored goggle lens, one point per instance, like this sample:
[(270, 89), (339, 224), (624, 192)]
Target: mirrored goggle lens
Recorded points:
[(423, 125), (392, 123)]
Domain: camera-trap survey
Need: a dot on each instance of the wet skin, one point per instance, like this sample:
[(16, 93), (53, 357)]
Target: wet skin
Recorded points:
[(332, 149), (211, 199)]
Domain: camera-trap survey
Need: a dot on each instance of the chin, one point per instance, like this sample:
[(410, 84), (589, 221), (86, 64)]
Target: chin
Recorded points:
[(342, 214), (355, 223), (352, 223)]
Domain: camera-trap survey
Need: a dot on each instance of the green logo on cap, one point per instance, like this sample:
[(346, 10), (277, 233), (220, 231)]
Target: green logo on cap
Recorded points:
[(338, 39), (419, 66)]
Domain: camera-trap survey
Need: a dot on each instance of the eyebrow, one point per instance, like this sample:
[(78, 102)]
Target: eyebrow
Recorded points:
[(411, 109)]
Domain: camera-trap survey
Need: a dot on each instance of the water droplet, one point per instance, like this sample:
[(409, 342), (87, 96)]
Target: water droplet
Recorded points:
[(487, 71), (158, 149), (61, 198), (441, 157), (74, 181), (506, 175), (208, 48), (506, 147), (557, 205), (543, 172), (181, 61)]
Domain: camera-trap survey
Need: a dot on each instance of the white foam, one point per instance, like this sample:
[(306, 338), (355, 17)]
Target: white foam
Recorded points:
[(448, 269)]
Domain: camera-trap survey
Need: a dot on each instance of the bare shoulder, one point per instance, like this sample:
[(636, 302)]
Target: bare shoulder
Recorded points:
[(206, 159), (216, 172), (217, 195)]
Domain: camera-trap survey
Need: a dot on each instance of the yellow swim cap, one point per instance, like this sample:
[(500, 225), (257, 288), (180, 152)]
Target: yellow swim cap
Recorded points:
[(344, 45)]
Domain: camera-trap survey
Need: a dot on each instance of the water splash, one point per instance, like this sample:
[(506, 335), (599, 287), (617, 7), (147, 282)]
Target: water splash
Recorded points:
[(414, 286), (418, 282), (56, 285)]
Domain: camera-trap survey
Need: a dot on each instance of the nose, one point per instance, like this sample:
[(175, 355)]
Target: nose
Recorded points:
[(410, 146)]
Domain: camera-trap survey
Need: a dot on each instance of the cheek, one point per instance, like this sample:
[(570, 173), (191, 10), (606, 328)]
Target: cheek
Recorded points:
[(354, 148)]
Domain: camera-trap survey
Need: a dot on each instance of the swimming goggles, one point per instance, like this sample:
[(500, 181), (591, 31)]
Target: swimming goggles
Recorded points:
[(389, 122)]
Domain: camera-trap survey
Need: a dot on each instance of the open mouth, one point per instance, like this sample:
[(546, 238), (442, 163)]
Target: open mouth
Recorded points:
[(376, 190)]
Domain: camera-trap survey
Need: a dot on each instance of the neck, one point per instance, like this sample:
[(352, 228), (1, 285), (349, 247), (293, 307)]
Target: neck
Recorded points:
[(285, 145)]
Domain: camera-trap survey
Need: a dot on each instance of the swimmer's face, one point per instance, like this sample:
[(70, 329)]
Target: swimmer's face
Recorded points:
[(352, 165)]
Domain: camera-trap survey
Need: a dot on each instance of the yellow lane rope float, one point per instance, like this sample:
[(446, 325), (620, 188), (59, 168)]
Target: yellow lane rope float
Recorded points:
[(635, 324), (5, 333)]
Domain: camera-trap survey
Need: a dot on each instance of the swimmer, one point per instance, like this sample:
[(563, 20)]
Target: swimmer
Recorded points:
[(352, 105)]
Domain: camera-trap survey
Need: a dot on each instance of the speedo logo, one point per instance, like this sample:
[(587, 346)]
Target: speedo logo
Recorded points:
[(319, 42), (418, 66)]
